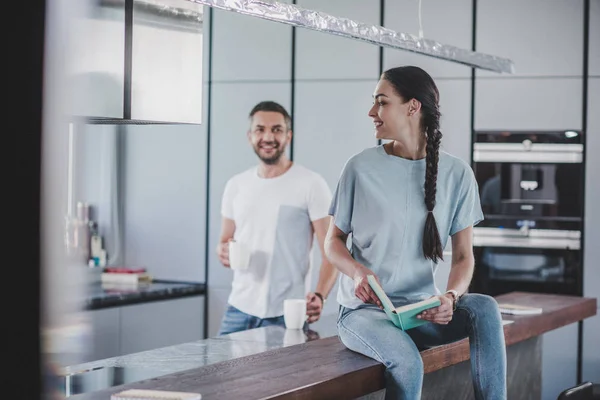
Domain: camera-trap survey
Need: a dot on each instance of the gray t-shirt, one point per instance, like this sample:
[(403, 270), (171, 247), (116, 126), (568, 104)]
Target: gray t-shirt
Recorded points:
[(380, 200)]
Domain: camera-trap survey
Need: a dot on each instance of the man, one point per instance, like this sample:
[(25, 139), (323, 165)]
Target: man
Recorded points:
[(274, 209)]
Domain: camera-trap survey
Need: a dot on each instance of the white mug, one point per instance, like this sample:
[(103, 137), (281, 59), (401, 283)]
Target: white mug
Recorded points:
[(294, 313), (239, 255)]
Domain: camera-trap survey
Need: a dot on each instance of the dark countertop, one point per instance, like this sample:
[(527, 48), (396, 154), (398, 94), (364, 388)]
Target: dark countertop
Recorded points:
[(99, 296)]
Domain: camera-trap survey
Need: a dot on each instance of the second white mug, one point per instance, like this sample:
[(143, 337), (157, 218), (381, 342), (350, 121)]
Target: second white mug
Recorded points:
[(294, 313), (239, 255)]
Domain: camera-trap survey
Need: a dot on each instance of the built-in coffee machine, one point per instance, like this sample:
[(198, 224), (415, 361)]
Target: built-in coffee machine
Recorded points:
[(531, 189)]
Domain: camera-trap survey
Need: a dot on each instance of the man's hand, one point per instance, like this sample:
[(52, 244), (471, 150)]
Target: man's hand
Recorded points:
[(362, 289), (223, 253), (314, 307), (441, 314)]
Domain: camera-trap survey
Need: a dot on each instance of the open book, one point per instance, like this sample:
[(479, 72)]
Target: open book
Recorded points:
[(404, 317)]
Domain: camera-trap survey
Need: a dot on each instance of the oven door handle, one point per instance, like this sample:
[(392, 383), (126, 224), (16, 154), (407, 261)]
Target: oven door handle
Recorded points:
[(526, 242)]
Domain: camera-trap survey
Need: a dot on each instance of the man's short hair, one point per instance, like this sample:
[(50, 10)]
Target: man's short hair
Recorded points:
[(271, 106)]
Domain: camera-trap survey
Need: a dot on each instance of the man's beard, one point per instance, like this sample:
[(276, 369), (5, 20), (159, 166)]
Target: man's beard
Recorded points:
[(273, 158)]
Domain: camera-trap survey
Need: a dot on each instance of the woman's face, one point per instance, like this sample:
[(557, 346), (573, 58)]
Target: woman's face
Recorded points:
[(391, 113)]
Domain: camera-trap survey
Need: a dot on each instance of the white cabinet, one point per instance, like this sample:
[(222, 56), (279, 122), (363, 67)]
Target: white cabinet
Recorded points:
[(96, 71), (130, 329), (149, 326), (542, 37), (166, 63), (167, 54), (105, 341)]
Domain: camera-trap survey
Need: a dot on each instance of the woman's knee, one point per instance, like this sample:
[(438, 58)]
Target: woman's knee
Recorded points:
[(479, 303)]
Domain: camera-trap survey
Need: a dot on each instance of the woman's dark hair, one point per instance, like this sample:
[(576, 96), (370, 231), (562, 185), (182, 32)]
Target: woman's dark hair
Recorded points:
[(413, 83)]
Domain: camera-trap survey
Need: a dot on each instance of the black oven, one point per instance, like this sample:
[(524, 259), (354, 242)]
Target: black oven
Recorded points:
[(531, 190)]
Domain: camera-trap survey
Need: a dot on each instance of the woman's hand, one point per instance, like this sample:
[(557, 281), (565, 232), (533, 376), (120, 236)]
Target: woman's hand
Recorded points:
[(441, 314), (362, 289)]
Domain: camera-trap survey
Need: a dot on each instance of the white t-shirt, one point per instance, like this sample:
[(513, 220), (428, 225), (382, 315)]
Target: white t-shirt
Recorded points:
[(273, 219)]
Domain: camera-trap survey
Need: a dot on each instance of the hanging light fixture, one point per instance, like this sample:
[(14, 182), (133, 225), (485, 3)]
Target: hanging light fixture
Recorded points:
[(293, 15)]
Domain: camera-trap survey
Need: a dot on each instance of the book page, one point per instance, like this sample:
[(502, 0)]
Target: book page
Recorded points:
[(422, 303), (385, 300)]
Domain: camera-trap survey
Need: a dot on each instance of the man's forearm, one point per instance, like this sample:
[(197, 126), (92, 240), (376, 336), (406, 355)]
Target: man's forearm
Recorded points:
[(327, 277)]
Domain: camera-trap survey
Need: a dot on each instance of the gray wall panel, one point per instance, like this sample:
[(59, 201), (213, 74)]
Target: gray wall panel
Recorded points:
[(528, 103), (247, 48), (542, 37), (323, 56), (448, 22), (165, 200)]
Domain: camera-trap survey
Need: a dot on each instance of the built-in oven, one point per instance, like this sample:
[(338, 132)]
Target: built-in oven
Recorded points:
[(531, 191)]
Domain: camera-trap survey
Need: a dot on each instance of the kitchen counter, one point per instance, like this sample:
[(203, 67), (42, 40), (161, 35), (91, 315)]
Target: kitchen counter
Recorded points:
[(99, 296), (273, 362), (102, 374)]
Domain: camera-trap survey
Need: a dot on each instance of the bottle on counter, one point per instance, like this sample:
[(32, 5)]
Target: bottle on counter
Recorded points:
[(80, 237)]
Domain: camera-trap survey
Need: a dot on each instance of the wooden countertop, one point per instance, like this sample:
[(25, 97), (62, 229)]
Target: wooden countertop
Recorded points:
[(319, 369)]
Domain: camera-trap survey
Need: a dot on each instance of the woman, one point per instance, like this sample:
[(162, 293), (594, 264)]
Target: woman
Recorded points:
[(401, 201)]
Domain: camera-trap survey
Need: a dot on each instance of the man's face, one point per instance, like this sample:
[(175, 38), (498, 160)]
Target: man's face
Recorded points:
[(269, 136)]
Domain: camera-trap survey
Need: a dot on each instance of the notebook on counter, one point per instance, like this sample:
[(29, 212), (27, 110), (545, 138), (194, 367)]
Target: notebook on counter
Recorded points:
[(515, 309), (138, 394)]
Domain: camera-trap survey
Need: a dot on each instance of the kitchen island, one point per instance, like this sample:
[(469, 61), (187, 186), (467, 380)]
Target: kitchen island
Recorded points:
[(276, 363)]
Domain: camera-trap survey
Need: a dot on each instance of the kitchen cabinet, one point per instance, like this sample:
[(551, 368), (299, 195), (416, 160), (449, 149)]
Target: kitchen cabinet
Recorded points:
[(549, 34), (104, 339), (528, 104), (166, 72), (130, 329), (162, 70), (162, 323), (96, 73)]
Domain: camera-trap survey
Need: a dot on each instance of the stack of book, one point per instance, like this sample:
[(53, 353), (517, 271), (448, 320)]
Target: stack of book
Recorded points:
[(125, 276)]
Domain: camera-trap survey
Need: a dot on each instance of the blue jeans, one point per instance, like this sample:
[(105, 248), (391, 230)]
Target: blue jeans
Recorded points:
[(235, 320), (367, 330)]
